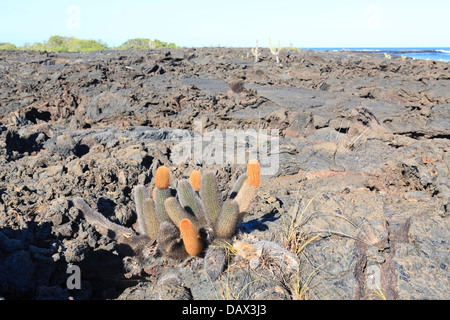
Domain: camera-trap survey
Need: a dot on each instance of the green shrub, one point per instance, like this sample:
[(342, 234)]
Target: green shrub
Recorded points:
[(76, 45), (134, 44), (144, 44), (55, 43), (156, 44), (8, 46)]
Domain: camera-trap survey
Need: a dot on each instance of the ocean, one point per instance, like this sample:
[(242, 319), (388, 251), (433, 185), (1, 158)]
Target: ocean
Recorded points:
[(438, 53)]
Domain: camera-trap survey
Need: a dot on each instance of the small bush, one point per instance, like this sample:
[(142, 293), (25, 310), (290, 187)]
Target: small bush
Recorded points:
[(134, 44), (8, 46), (145, 44), (75, 45), (156, 44)]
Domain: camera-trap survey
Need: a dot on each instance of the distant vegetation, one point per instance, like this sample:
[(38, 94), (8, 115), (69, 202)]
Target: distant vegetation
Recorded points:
[(70, 44), (7, 46), (66, 44), (143, 44)]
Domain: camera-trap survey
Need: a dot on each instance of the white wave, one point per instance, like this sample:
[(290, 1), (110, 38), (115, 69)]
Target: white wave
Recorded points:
[(443, 51)]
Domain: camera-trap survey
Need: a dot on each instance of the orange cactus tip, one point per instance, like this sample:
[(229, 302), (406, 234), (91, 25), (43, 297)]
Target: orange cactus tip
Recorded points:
[(192, 241), (162, 178), (253, 173), (154, 194), (195, 180)]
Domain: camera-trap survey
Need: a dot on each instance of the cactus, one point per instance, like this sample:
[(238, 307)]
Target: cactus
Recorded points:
[(275, 51), (145, 210), (209, 192), (256, 53), (183, 225), (191, 202), (248, 190), (227, 222), (207, 211), (219, 220), (151, 221)]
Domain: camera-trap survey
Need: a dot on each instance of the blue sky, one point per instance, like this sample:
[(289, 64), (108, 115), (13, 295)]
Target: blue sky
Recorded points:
[(234, 23)]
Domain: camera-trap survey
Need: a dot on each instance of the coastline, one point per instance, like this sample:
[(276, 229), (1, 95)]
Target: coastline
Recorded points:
[(430, 53)]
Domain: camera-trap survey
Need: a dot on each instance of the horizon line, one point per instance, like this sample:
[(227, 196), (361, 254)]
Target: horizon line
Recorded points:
[(287, 46)]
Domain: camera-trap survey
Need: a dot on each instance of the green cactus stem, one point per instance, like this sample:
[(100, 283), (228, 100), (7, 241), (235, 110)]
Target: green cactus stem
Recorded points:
[(145, 210), (177, 213), (210, 194), (191, 202), (160, 197), (227, 222), (238, 185)]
